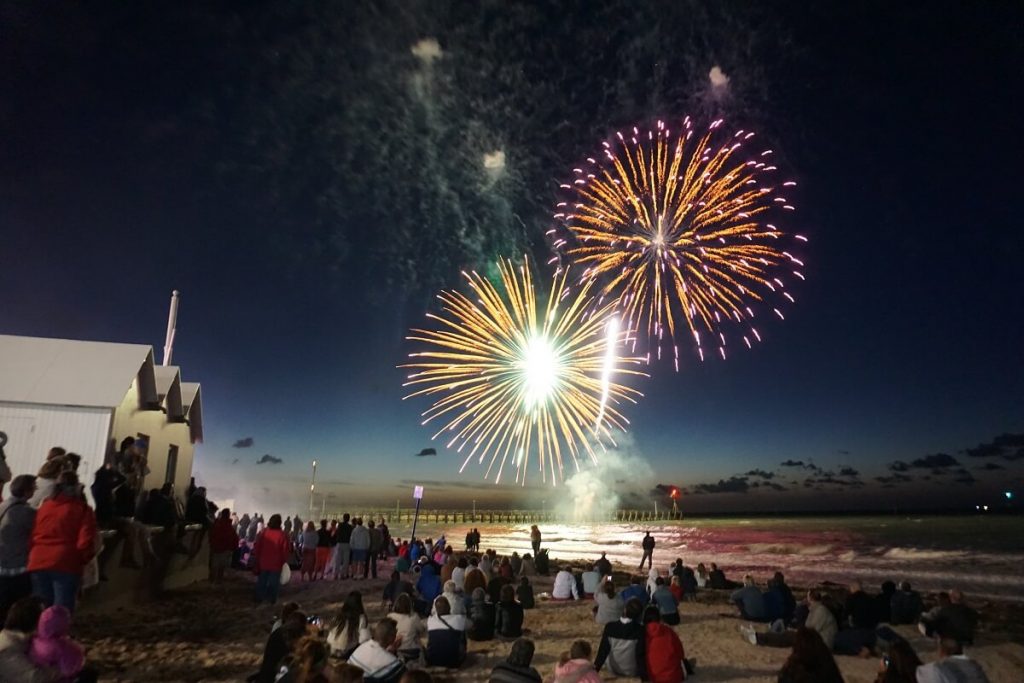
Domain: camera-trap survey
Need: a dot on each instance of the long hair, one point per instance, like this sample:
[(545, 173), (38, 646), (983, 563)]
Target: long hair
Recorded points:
[(310, 658), (348, 618), (810, 660)]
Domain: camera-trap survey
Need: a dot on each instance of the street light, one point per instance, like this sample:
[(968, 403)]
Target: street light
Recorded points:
[(312, 487)]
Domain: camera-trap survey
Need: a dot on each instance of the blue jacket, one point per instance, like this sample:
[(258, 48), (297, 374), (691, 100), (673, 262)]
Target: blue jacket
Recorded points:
[(429, 585)]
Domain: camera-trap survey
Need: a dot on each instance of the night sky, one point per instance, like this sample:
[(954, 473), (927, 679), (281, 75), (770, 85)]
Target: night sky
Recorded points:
[(310, 178)]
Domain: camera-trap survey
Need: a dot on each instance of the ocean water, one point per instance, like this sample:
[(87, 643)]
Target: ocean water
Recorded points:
[(982, 555)]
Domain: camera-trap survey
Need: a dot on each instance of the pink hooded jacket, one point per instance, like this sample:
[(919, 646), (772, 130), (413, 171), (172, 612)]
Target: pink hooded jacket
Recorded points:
[(51, 645), (576, 671)]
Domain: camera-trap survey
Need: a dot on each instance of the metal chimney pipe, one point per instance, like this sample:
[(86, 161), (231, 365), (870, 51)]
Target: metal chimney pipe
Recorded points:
[(172, 328)]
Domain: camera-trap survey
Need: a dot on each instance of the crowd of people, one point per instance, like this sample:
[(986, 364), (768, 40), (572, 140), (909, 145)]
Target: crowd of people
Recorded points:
[(436, 601)]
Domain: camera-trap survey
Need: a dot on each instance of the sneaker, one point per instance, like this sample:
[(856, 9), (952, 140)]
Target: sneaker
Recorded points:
[(748, 633)]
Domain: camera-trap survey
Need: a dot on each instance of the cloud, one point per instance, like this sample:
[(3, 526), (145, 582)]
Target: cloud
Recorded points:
[(800, 463), (831, 480), (760, 473), (718, 78), (437, 483), (269, 459), (665, 490), (966, 478), (990, 466), (843, 452), (896, 478), (246, 442), (235, 461), (898, 466), (1007, 446), (730, 485), (772, 485), (848, 472), (427, 50), (935, 461)]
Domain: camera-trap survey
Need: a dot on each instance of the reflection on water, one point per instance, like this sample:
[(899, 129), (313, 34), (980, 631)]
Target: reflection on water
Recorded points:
[(982, 555)]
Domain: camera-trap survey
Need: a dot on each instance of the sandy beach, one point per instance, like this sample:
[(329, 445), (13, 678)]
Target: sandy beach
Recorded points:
[(214, 633)]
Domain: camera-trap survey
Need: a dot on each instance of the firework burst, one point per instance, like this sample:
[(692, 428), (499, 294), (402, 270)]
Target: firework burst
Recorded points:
[(680, 229), (513, 375)]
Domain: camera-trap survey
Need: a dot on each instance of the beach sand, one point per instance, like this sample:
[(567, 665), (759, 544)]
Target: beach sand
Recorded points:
[(214, 633)]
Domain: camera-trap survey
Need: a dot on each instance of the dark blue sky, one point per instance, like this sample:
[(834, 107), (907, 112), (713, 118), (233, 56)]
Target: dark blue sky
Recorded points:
[(123, 135)]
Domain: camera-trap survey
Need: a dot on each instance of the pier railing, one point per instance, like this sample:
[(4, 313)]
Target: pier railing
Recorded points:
[(442, 516)]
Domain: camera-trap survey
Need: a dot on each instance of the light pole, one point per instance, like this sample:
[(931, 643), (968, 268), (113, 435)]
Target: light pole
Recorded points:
[(312, 487)]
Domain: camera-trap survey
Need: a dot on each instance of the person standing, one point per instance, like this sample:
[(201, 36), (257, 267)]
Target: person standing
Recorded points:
[(17, 518), (360, 543), (376, 543), (271, 552), (223, 544), (63, 542), (648, 546), (323, 549), (535, 539), (344, 549)]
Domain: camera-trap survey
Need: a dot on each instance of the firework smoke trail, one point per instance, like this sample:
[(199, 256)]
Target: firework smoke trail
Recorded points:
[(511, 377), (673, 223)]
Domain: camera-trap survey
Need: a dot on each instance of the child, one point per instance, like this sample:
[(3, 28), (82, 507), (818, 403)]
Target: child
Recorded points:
[(524, 594), (51, 647), (575, 665)]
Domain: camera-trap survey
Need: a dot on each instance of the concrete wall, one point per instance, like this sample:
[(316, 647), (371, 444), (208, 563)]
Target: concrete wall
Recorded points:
[(129, 420)]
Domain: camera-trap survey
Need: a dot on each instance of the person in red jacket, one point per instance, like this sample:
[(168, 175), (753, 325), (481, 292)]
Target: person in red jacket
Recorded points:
[(63, 542), (223, 543), (271, 552), (664, 650)]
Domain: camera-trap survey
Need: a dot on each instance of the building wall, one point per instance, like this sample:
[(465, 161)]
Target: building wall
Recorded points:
[(129, 420), (33, 430)]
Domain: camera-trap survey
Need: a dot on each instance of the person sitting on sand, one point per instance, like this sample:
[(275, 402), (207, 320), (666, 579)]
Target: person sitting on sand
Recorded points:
[(428, 587), (524, 593), (952, 666), (749, 600), (665, 654), (602, 566), (906, 606), (395, 587), (623, 644), (819, 618), (448, 568), (565, 586), (953, 620), (347, 673), (652, 582), (574, 666), (51, 646), (609, 605), (459, 574), (516, 667), (474, 578), (635, 589), (279, 645), (509, 623), (701, 575), (482, 615), (350, 628), (529, 566), (286, 609), (411, 628), (899, 665), (675, 586), (15, 664), (517, 564), (810, 660), (377, 657), (455, 600), (883, 602), (717, 580), (687, 579), (307, 663), (778, 587), (494, 587), (668, 608), (446, 637), (484, 565)]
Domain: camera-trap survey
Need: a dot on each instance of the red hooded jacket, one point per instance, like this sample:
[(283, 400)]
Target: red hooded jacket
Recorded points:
[(664, 654), (223, 538), (271, 551), (64, 536)]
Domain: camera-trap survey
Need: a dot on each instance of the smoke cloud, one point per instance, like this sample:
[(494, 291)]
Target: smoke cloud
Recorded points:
[(596, 491)]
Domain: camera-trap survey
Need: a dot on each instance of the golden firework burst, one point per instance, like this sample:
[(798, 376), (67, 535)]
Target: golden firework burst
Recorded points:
[(514, 376)]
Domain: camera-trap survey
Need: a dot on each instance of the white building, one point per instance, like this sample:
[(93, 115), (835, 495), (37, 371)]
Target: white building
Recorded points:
[(87, 397)]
